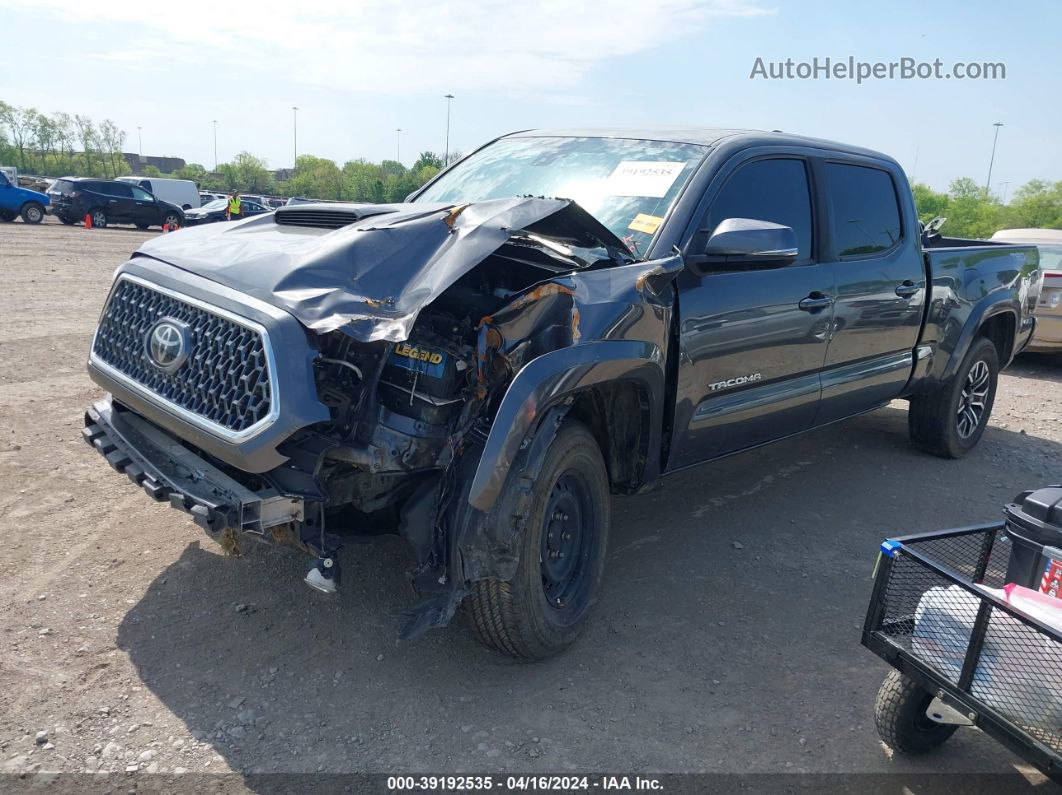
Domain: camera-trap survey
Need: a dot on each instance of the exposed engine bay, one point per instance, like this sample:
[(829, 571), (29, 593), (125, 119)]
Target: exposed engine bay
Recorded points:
[(410, 357)]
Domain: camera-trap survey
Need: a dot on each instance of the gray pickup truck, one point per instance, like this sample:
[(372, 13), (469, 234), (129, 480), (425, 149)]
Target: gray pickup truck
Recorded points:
[(558, 317)]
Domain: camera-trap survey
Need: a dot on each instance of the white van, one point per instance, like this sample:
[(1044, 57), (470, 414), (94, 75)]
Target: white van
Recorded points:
[(181, 192)]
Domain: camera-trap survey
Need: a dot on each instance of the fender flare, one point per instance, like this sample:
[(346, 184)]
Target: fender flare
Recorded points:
[(550, 379), (980, 314)]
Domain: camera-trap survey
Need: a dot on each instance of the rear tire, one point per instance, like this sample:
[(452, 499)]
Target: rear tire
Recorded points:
[(172, 220), (900, 716), (544, 608), (949, 422), (32, 213), (99, 218)]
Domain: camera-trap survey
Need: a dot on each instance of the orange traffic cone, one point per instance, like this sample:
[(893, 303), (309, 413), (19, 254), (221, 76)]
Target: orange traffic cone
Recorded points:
[(88, 221), (165, 228)]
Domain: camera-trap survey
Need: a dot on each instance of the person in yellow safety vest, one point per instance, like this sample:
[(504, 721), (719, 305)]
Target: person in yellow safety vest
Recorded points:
[(234, 211)]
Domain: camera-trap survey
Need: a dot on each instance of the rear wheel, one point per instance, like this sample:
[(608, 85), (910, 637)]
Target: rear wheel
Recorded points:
[(950, 421), (544, 608), (900, 716), (99, 218), (32, 213), (172, 220)]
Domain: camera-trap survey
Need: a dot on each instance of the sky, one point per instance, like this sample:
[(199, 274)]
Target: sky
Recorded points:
[(360, 69)]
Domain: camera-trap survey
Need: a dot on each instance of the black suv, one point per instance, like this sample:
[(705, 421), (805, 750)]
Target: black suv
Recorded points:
[(108, 201)]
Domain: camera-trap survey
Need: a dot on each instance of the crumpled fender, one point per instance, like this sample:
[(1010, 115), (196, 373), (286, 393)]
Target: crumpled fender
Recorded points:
[(546, 381)]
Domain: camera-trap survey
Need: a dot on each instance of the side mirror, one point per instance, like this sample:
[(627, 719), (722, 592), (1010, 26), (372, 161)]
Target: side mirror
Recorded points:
[(739, 243)]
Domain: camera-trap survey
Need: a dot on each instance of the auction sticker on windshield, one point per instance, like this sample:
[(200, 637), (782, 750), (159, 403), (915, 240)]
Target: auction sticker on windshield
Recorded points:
[(651, 178), (646, 223)]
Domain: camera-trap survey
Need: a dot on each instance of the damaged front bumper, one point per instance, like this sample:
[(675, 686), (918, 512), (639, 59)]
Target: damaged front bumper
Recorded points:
[(169, 472)]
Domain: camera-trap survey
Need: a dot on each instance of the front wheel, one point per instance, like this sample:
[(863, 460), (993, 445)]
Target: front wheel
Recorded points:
[(544, 608), (900, 716), (949, 422), (172, 220), (32, 213)]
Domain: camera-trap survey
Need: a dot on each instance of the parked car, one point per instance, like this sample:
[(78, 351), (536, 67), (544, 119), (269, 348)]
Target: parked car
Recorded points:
[(216, 211), (110, 201), (16, 201), (1048, 335), (205, 198), (478, 369), (180, 192)]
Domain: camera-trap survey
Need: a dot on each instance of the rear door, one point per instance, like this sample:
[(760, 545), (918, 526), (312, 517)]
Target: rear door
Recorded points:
[(750, 345), (119, 198), (880, 281)]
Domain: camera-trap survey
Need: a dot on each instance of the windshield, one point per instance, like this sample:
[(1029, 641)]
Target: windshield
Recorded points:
[(627, 184)]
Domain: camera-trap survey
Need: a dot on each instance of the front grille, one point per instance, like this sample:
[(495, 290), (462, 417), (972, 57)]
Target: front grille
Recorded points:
[(226, 378)]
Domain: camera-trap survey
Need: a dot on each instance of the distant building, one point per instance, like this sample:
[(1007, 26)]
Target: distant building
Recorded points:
[(167, 165), (283, 174)]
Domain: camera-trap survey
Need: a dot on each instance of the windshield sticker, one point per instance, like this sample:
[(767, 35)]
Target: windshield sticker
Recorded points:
[(650, 178), (646, 223)]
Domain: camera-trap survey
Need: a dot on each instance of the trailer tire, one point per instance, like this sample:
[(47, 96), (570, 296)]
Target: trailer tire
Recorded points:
[(946, 423), (544, 608), (900, 716)]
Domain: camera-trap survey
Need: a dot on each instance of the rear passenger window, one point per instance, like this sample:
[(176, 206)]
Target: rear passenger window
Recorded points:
[(773, 190), (865, 211), (118, 189)]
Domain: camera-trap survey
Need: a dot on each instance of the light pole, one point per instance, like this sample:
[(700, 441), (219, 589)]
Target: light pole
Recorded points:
[(295, 135), (1005, 186), (215, 145), (140, 141), (991, 160), (398, 144), (446, 157)]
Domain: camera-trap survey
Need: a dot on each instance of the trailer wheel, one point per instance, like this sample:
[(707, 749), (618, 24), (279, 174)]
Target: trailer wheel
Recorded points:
[(544, 608), (900, 715), (949, 422)]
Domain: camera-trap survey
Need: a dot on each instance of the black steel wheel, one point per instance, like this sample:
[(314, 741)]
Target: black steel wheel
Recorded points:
[(545, 607)]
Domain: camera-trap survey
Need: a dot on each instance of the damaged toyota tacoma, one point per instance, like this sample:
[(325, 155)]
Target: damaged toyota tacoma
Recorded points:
[(558, 317)]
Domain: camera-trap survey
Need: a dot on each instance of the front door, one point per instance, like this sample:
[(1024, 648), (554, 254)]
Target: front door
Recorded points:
[(145, 211), (880, 278), (752, 342)]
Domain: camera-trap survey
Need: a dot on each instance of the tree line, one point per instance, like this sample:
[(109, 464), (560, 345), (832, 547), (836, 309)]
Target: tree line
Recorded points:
[(59, 144)]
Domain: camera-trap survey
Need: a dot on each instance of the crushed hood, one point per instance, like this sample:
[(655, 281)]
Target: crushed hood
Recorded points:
[(372, 277)]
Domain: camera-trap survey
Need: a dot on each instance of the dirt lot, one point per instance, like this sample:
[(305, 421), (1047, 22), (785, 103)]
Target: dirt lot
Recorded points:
[(727, 638)]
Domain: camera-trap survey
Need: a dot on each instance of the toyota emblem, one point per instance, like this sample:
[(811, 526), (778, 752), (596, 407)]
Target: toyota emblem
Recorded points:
[(166, 344)]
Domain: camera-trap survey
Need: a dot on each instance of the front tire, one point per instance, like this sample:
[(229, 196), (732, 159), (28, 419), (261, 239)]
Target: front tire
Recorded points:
[(901, 720), (172, 220), (949, 422), (544, 608), (32, 213)]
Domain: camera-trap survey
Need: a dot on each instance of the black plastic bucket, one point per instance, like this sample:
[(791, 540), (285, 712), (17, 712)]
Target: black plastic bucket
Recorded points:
[(1034, 525)]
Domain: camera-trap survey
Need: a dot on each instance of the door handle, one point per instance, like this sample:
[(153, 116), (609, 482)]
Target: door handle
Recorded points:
[(112, 201), (907, 289), (815, 302)]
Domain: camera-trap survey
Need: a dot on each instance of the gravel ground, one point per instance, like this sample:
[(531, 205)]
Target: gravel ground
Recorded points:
[(727, 637)]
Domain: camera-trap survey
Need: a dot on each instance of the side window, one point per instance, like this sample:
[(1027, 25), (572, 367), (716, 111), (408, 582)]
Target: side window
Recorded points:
[(141, 195), (774, 190), (865, 212), (118, 189), (145, 184)]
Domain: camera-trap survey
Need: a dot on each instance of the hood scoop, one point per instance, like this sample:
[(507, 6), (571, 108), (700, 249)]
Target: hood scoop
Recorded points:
[(327, 216)]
